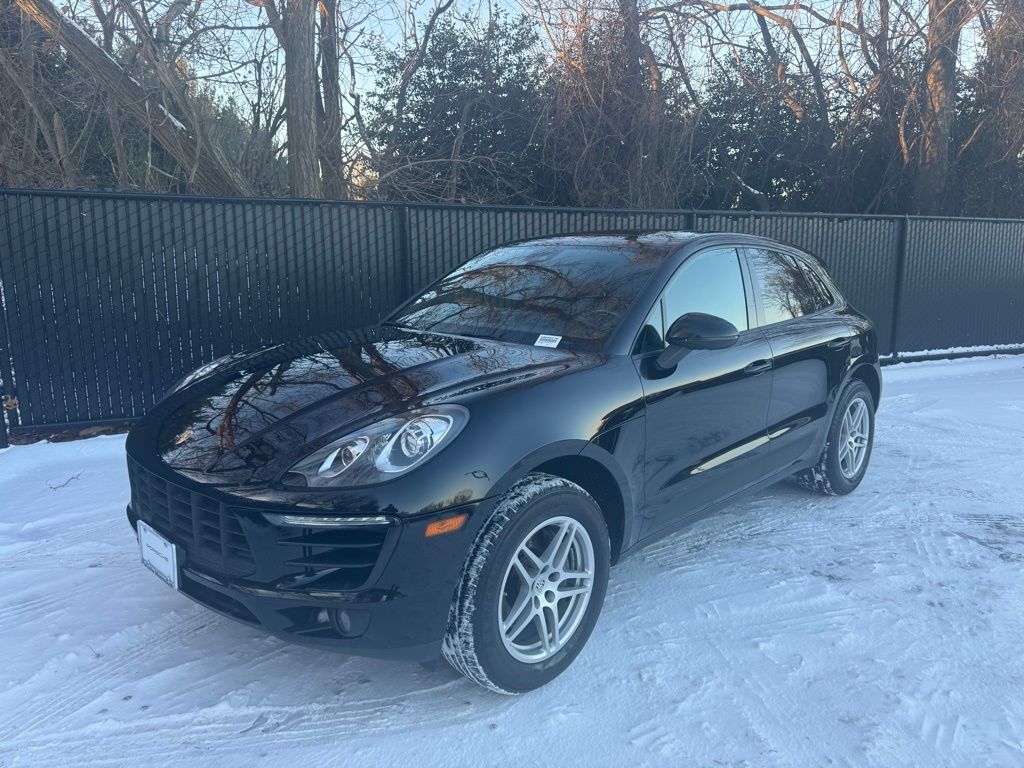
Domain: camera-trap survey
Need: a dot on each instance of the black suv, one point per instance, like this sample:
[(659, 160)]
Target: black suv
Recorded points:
[(460, 478)]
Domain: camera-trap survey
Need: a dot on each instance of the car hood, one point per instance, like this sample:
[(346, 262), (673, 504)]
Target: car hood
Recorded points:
[(249, 414)]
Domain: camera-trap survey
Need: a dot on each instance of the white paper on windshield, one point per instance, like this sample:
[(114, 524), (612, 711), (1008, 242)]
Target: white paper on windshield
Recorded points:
[(544, 340)]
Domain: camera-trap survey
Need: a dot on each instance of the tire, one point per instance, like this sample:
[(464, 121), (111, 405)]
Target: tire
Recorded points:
[(834, 474), (533, 513)]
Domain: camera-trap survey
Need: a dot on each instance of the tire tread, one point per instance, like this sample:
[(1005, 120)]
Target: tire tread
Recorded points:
[(458, 647)]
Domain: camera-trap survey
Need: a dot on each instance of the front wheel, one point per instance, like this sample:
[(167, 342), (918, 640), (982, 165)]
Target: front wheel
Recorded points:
[(532, 587), (844, 460)]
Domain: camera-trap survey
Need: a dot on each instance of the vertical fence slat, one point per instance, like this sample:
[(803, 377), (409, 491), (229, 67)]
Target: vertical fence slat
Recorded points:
[(404, 248)]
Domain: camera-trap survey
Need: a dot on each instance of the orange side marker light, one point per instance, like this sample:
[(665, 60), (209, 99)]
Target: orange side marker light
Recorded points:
[(446, 525)]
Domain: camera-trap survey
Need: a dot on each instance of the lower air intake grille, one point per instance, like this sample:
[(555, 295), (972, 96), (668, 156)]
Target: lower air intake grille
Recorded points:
[(209, 533), (335, 559)]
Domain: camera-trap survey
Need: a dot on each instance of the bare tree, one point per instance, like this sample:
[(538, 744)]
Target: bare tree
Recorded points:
[(205, 165), (294, 23), (936, 99), (330, 118)]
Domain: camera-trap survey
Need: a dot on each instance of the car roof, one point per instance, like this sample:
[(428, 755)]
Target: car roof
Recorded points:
[(654, 239), (668, 241), (665, 243)]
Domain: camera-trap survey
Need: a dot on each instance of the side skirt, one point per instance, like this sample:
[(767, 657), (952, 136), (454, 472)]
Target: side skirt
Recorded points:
[(689, 520)]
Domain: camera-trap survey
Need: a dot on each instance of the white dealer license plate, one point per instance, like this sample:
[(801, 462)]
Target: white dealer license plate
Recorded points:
[(158, 554)]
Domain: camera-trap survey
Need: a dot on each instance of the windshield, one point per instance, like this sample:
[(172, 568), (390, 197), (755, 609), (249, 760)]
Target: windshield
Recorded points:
[(576, 291)]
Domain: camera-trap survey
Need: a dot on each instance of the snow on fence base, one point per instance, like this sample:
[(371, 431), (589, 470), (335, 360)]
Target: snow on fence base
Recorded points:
[(952, 353)]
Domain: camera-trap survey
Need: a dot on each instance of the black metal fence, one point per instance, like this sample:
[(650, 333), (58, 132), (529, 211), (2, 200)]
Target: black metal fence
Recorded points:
[(107, 298)]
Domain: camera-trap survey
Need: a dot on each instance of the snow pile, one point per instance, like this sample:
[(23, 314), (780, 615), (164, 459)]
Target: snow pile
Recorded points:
[(882, 628)]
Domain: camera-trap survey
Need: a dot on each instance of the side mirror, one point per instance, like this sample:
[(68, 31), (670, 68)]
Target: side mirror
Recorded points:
[(695, 330)]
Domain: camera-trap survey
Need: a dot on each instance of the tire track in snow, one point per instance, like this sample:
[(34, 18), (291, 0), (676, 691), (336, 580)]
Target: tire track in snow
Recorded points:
[(249, 728), (105, 675), (56, 542), (55, 599)]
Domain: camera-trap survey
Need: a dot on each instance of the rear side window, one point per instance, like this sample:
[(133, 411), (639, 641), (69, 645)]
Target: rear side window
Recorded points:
[(710, 282), (824, 295), (788, 287)]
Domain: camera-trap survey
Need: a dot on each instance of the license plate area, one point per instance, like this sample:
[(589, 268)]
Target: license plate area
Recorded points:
[(158, 554)]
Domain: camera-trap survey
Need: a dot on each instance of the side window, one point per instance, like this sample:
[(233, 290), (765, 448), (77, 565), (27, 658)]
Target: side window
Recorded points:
[(710, 282), (824, 297), (787, 288)]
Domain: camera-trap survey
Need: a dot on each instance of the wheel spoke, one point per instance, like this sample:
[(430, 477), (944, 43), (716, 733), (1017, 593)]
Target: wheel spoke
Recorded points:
[(517, 611), (556, 640), (536, 563), (562, 553), (524, 574), (524, 620), (554, 555), (542, 630), (580, 589)]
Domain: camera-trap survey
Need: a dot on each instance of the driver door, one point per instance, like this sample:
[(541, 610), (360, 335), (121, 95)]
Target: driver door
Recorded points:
[(706, 419)]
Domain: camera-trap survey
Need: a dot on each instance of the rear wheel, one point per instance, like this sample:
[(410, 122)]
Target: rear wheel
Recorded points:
[(532, 587), (844, 460)]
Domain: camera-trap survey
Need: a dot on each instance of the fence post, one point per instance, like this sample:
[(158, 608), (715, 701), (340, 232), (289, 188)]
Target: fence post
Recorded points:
[(6, 374), (897, 292), (691, 221), (404, 240), (6, 355)]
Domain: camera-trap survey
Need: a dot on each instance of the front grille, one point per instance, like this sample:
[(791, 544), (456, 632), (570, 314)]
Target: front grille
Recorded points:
[(333, 559), (209, 533)]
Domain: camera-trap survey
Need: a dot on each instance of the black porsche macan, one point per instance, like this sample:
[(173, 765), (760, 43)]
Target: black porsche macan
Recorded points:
[(460, 478)]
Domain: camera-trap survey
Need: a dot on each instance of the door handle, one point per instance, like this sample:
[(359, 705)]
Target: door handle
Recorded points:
[(758, 366), (838, 343)]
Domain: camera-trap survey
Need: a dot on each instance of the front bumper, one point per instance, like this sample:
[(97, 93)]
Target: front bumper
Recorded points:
[(369, 592)]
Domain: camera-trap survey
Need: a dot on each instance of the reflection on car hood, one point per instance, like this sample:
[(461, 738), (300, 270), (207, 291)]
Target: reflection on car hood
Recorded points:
[(235, 421)]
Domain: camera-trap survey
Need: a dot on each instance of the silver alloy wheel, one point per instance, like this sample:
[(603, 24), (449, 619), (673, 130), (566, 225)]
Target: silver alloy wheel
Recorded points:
[(854, 435), (546, 589)]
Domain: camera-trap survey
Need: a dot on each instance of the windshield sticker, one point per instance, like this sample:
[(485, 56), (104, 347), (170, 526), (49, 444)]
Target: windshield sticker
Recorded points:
[(544, 340)]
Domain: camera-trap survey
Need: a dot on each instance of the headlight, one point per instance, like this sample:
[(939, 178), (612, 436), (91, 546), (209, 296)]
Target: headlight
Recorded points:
[(380, 451)]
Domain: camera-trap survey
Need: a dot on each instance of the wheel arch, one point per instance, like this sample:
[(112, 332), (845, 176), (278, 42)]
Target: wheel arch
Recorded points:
[(595, 471), (867, 373)]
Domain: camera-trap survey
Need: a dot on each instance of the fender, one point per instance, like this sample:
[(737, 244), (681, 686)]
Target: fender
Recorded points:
[(851, 372), (531, 461), (630, 493)]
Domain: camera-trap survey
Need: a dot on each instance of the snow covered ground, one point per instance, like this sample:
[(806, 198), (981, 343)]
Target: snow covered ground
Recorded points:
[(883, 628)]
